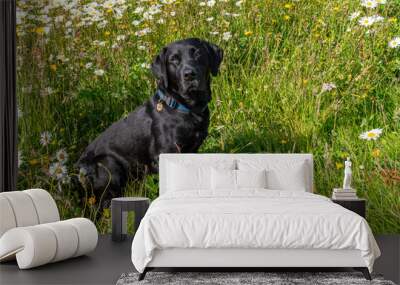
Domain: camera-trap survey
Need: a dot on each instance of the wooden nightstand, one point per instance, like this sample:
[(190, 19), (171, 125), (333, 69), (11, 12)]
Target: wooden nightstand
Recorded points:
[(358, 206)]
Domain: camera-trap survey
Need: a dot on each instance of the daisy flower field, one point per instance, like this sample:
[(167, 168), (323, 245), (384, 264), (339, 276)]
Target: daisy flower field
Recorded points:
[(309, 76)]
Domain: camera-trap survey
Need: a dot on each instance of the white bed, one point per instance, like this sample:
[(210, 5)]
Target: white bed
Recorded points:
[(248, 227)]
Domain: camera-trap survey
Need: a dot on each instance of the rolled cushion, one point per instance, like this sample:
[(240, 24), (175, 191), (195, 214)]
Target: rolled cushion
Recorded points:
[(37, 245), (7, 218), (26, 208), (45, 205)]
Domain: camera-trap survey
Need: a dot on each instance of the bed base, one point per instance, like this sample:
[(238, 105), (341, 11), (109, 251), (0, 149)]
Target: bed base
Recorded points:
[(363, 270), (242, 259)]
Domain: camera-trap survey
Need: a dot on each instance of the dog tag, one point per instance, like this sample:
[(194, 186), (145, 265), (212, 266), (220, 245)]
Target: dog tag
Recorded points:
[(159, 106)]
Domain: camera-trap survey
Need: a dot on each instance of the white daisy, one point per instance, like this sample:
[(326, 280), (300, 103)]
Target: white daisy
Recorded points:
[(370, 4), (88, 65), (371, 135), (328, 87), (238, 3), (138, 10), (377, 18), (209, 19), (367, 21), (395, 42), (143, 32), (355, 15), (62, 156), (382, 2), (210, 3), (58, 170), (145, 65), (99, 72), (226, 36), (45, 138), (82, 175), (136, 22), (121, 37)]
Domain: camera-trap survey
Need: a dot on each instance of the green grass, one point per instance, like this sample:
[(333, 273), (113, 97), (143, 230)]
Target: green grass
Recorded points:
[(267, 97)]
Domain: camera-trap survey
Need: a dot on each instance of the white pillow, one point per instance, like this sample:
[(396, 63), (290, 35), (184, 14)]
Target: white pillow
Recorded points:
[(185, 174), (182, 177), (226, 179), (251, 178), (223, 179), (281, 175)]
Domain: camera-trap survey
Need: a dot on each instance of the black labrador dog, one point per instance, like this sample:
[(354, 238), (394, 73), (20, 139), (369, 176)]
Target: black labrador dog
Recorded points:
[(174, 120)]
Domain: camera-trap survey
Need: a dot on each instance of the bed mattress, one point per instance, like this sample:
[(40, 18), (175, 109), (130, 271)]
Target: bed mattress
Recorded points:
[(250, 219)]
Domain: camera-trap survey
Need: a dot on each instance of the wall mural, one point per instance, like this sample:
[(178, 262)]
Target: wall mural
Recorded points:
[(95, 78)]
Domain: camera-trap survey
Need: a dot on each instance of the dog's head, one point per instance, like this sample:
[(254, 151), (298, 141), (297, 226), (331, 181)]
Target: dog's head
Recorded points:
[(184, 68)]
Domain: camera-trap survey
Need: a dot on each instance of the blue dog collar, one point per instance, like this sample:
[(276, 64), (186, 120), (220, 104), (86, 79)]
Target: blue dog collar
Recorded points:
[(171, 102)]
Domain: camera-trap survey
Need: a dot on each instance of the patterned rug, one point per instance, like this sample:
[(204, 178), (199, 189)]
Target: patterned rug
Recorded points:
[(244, 278)]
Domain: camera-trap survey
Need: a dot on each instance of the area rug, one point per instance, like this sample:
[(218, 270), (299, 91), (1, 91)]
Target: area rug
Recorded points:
[(244, 278)]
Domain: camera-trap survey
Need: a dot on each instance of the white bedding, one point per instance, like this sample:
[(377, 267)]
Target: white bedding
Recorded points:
[(251, 218)]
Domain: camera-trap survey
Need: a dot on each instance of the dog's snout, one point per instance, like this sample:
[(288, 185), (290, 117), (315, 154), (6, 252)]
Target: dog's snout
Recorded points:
[(189, 74)]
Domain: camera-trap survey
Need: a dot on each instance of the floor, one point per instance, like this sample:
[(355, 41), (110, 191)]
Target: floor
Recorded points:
[(110, 260)]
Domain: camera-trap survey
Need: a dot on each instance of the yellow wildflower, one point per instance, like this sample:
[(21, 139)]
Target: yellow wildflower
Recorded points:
[(53, 67), (339, 165), (107, 33), (92, 200), (39, 30), (286, 17), (248, 33), (109, 11), (34, 162), (288, 6), (376, 152)]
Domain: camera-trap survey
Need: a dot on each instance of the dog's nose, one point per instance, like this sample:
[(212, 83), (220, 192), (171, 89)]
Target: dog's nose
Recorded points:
[(189, 74)]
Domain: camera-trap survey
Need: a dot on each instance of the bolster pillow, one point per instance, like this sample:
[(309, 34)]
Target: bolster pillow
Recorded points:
[(26, 208), (40, 244)]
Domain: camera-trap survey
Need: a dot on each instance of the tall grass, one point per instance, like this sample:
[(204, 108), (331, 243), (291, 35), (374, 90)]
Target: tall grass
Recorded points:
[(268, 97)]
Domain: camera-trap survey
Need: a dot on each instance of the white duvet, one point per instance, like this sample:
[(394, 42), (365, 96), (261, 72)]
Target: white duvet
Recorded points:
[(250, 219)]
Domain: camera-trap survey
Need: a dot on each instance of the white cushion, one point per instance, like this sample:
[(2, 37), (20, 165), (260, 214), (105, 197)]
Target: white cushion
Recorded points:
[(31, 232), (23, 208), (281, 175), (7, 220), (45, 205), (226, 179), (26, 208), (188, 175), (251, 178), (223, 179), (40, 244)]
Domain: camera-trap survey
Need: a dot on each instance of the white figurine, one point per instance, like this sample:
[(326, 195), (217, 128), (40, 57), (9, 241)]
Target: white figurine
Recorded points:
[(347, 175)]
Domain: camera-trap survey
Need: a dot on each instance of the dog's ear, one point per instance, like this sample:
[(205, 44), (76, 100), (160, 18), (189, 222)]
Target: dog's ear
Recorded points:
[(159, 67), (215, 55)]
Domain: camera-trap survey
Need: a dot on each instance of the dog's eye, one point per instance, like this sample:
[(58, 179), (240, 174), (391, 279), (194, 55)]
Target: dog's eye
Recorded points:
[(195, 53), (174, 59)]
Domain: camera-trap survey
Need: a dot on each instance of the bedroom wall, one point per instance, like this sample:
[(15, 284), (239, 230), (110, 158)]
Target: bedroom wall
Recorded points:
[(298, 76)]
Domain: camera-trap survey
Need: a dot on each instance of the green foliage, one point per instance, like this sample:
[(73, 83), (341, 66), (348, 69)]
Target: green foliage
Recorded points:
[(269, 96)]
